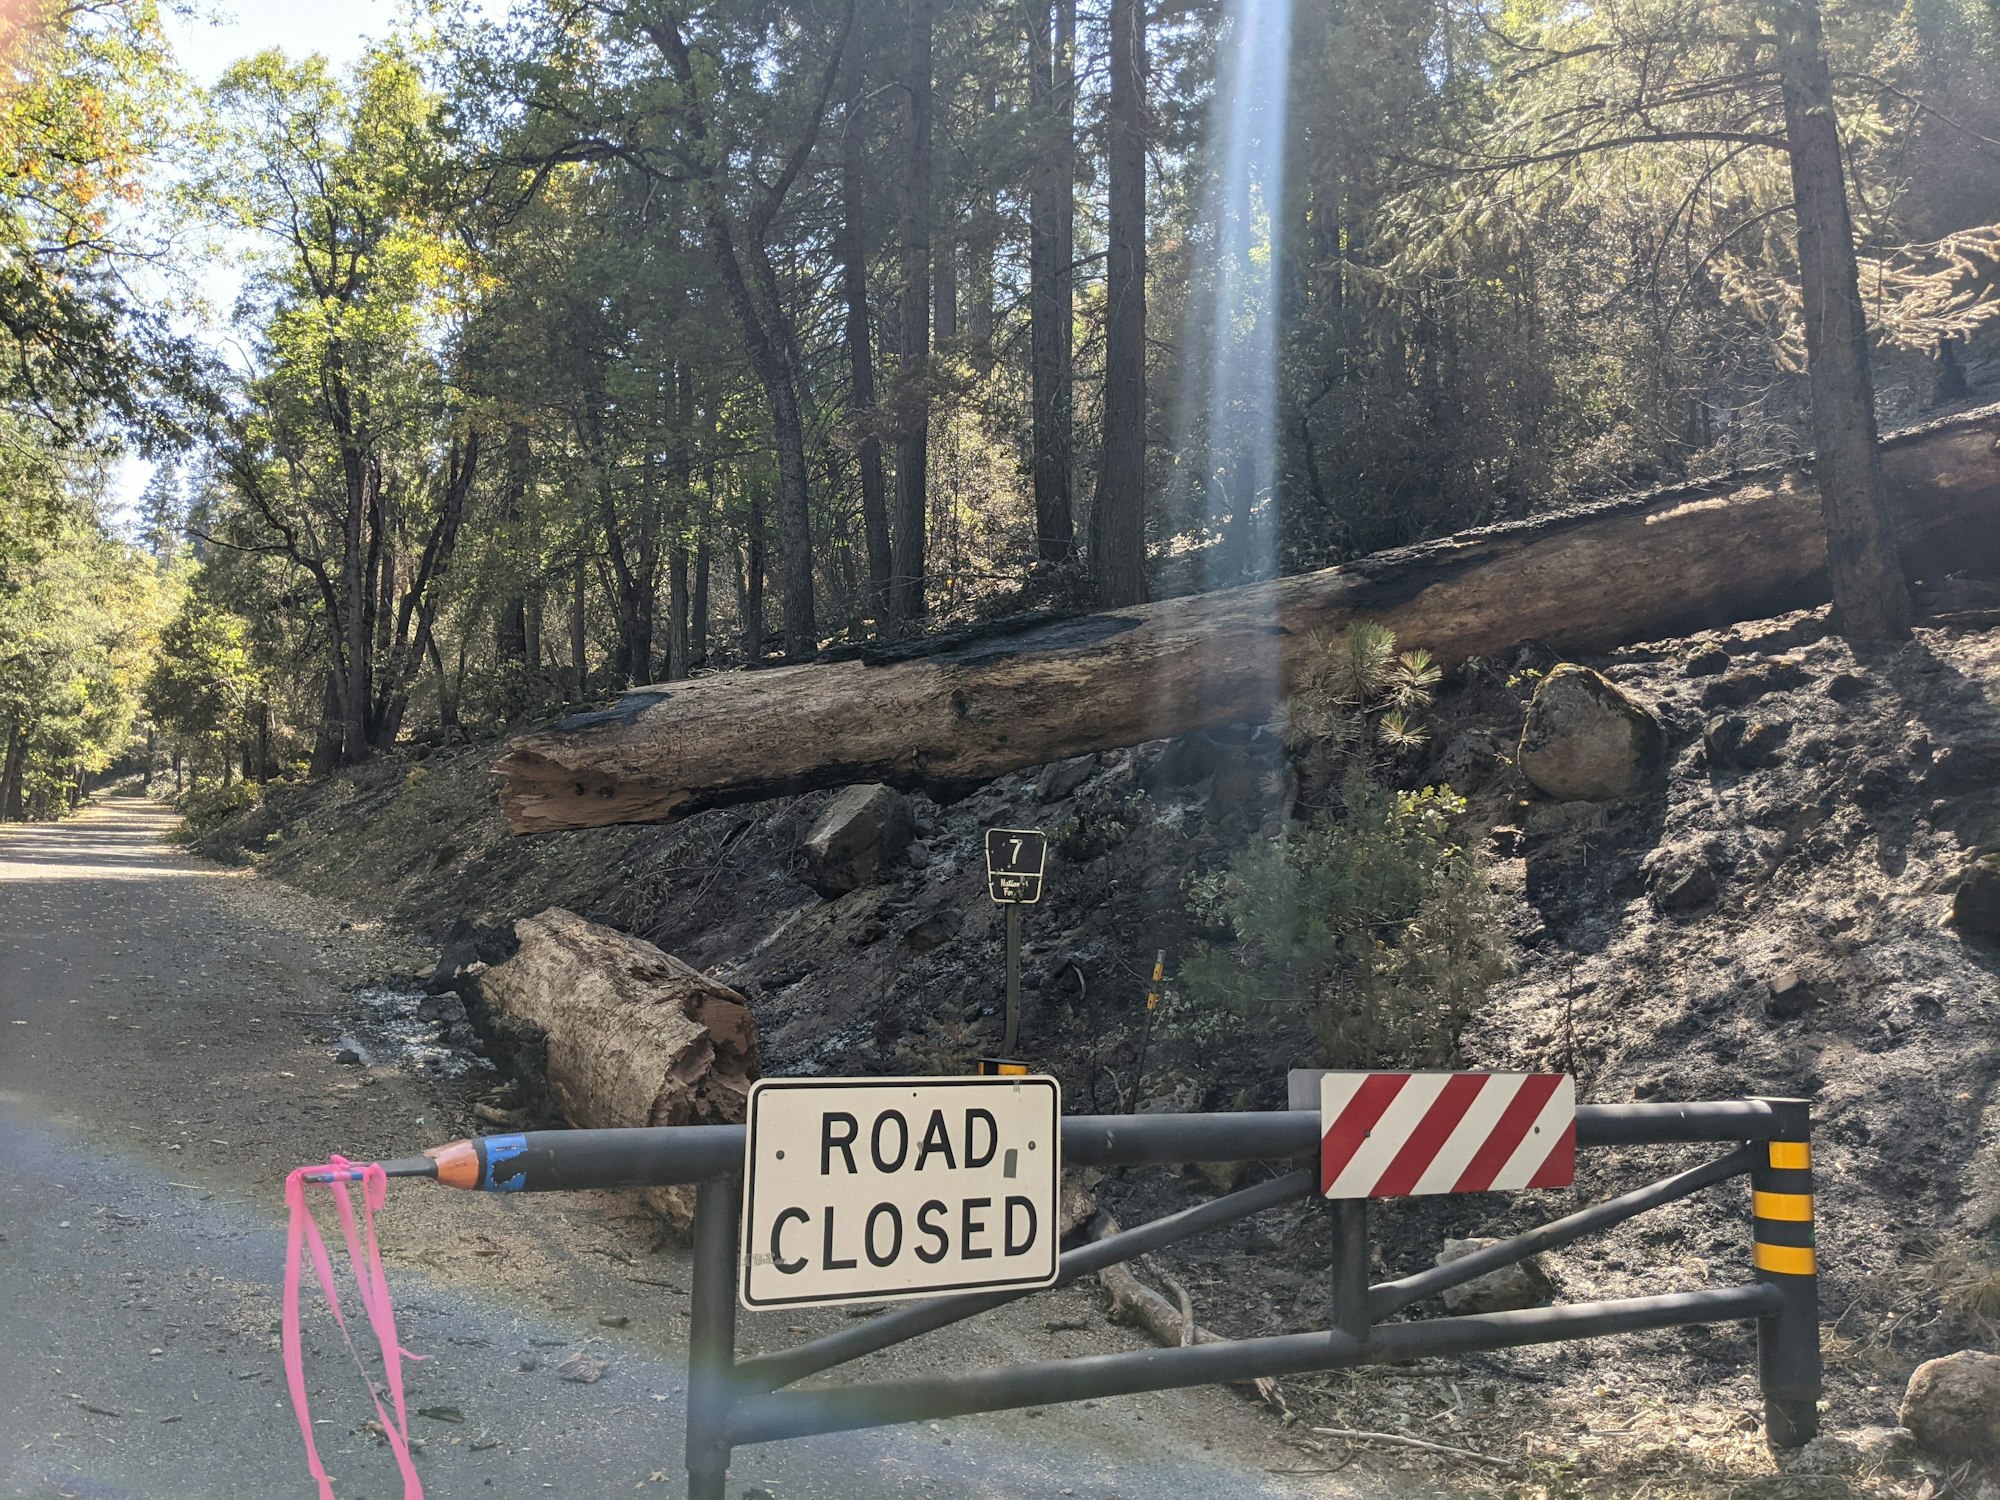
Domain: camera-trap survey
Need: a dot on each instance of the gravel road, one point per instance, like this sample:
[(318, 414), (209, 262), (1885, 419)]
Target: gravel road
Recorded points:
[(163, 1062)]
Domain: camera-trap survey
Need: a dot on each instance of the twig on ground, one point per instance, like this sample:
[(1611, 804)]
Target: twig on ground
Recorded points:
[(1396, 1439)]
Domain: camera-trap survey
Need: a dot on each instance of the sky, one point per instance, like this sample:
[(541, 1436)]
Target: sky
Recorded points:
[(206, 43), (209, 42)]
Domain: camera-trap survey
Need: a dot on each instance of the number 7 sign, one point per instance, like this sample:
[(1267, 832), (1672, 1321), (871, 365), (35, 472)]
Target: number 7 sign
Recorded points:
[(1015, 859)]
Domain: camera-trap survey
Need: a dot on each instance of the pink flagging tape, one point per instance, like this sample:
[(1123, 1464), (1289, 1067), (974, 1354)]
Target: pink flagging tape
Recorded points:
[(365, 1256)]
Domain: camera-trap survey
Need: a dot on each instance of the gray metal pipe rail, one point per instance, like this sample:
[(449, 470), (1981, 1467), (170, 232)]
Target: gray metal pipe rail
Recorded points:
[(578, 1160)]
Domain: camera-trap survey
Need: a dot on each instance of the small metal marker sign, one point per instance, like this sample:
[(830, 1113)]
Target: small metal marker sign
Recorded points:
[(874, 1189), (1015, 860), (1397, 1135)]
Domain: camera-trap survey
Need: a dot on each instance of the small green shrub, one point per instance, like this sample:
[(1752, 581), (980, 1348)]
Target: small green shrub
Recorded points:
[(206, 808), (1370, 922), (1357, 702)]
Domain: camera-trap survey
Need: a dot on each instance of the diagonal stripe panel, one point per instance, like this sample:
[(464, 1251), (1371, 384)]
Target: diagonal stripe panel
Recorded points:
[(1523, 1106), (1406, 1134), (1358, 1102), (1429, 1138)]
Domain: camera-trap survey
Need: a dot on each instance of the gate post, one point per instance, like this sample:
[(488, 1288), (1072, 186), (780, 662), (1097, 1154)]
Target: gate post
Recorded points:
[(718, 1205), (1350, 1268), (1788, 1353)]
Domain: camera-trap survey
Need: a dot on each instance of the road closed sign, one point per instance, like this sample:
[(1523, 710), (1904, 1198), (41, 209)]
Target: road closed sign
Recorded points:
[(872, 1189)]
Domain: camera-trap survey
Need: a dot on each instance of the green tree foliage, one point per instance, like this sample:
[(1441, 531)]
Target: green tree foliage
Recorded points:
[(80, 611), (87, 96), (202, 686), (1371, 924)]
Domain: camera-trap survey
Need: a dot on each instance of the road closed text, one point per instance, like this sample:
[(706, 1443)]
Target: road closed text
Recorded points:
[(866, 1190)]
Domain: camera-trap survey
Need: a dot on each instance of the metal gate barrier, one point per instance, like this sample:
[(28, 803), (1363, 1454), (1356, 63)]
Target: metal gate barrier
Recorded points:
[(734, 1402)]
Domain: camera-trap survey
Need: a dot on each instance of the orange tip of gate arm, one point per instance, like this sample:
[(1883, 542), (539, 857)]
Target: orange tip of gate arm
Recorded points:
[(457, 1165)]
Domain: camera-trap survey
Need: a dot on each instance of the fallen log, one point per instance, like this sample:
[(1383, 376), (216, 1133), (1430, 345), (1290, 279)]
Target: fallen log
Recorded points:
[(621, 1033), (950, 713)]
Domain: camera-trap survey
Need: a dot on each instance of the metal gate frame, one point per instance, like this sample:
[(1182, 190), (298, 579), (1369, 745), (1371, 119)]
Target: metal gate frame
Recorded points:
[(733, 1403)]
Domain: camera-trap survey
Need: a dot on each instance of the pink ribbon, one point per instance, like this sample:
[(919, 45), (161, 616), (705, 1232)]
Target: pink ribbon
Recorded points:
[(366, 1258)]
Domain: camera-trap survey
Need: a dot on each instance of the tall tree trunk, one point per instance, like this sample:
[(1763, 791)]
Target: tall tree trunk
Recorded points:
[(698, 609), (1118, 517), (677, 612), (263, 740), (1051, 205), (353, 668), (447, 696), (861, 363), (906, 586), (510, 620), (753, 579), (10, 774), (326, 742), (1870, 599), (944, 289), (579, 642)]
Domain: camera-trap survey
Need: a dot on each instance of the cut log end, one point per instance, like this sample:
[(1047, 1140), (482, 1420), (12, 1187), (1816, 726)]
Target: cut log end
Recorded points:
[(541, 794)]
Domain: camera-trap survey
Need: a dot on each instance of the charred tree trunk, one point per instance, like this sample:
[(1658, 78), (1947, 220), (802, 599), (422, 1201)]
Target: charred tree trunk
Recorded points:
[(579, 639), (1118, 515), (1051, 212), (1871, 601), (861, 366), (954, 712), (698, 610), (906, 583)]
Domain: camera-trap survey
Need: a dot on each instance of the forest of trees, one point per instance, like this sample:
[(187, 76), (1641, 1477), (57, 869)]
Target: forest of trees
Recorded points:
[(604, 343)]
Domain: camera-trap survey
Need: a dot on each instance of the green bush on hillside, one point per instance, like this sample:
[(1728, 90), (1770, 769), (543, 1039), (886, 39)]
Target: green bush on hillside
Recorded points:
[(1370, 922), (207, 807)]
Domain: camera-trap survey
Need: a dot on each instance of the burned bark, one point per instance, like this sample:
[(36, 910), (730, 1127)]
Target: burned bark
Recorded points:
[(958, 710)]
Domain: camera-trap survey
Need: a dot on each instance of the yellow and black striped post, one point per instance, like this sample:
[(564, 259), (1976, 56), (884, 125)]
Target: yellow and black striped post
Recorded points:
[(1788, 1363)]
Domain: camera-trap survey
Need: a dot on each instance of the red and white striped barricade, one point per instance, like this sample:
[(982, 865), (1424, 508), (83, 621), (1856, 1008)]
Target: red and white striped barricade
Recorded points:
[(1399, 1135)]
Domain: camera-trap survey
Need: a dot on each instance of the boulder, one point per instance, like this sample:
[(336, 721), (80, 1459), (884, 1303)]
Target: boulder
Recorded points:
[(1789, 995), (1060, 778), (1751, 683), (855, 837), (1523, 1284), (1706, 660), (1952, 1407), (1682, 882), (1975, 905), (1585, 740), (627, 1035), (1736, 743)]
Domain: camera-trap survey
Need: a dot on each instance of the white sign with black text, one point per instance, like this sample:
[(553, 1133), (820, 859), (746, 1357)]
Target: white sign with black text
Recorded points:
[(872, 1189)]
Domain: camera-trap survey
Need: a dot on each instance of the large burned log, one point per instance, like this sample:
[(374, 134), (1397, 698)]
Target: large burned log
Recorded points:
[(625, 1034), (957, 711)]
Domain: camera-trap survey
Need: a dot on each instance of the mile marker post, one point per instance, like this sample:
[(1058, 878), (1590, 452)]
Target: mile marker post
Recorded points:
[(1015, 861)]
